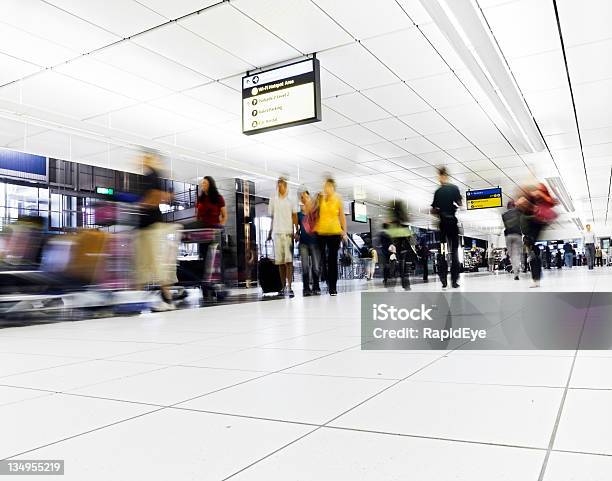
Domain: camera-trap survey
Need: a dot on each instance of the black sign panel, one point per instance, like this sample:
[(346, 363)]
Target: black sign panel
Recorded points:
[(281, 97)]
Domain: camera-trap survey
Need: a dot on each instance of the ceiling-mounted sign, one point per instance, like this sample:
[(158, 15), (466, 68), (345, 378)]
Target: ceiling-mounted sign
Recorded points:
[(22, 165), (281, 97), (484, 198)]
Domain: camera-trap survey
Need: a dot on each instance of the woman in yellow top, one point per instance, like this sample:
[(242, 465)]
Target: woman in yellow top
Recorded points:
[(330, 228)]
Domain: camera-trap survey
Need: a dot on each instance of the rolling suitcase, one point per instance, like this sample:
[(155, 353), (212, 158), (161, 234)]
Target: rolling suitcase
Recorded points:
[(87, 255), (268, 275)]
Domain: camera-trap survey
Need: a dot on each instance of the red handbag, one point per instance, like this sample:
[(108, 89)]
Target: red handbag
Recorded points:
[(545, 213)]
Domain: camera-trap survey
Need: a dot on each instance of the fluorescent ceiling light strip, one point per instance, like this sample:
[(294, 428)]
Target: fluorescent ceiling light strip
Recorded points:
[(558, 187), (463, 26)]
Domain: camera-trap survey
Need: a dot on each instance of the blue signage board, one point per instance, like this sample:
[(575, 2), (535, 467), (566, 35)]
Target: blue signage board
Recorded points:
[(484, 198), (15, 163)]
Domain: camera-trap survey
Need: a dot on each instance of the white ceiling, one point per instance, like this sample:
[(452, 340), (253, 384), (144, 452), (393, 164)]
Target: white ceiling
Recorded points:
[(93, 80)]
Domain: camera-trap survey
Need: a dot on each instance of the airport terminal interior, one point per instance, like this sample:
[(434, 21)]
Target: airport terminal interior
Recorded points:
[(222, 222)]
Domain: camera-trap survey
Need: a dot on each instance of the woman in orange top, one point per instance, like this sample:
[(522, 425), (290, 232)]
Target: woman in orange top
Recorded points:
[(330, 228)]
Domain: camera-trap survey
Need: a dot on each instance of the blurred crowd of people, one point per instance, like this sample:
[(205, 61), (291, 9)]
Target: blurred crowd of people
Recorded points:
[(146, 253)]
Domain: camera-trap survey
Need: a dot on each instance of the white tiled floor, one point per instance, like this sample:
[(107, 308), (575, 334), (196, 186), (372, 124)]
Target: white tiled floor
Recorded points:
[(280, 390)]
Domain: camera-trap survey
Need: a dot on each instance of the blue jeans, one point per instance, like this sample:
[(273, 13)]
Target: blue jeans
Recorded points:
[(309, 254), (569, 259)]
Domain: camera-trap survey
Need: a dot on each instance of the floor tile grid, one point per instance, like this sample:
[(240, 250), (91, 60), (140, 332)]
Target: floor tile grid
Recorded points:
[(157, 407), (553, 435), (333, 353), (327, 423)]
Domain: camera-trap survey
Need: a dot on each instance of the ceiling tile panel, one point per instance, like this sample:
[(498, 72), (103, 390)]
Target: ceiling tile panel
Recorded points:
[(449, 140), (245, 39), (416, 58), (142, 62), (426, 123), (593, 102), (51, 23), (61, 94), (33, 48), (296, 21), (192, 51), (356, 107), (391, 129), (218, 95), (89, 70), (397, 98), (552, 110), (442, 91), (121, 17), (417, 145), (356, 134), (12, 69), (332, 86), (362, 21), (356, 66), (538, 32), (386, 150), (177, 8), (584, 22)]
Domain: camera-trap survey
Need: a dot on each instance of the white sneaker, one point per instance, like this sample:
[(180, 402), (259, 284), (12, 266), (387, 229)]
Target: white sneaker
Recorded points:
[(535, 284), (162, 306)]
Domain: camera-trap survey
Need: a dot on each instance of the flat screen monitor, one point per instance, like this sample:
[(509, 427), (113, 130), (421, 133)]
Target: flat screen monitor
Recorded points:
[(359, 212)]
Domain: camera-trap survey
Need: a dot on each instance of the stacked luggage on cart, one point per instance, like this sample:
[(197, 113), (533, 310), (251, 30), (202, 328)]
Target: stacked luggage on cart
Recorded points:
[(202, 264)]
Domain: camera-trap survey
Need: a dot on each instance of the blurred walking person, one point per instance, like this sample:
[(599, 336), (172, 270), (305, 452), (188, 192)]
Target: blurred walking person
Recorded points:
[(284, 220), (372, 263), (330, 229), (309, 251), (424, 259), (514, 237), (491, 257), (537, 212), (568, 255), (589, 246), (547, 257), (153, 267), (447, 199), (598, 256)]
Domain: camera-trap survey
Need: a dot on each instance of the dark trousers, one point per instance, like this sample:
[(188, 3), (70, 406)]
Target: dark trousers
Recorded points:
[(328, 248), (532, 229), (590, 254), (425, 268), (449, 233), (404, 254)]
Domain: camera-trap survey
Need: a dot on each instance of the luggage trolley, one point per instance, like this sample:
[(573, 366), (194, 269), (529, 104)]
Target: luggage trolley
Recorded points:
[(202, 267)]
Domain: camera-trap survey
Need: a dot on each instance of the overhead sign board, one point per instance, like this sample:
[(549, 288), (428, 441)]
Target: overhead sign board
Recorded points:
[(281, 97), (484, 198), (22, 165)]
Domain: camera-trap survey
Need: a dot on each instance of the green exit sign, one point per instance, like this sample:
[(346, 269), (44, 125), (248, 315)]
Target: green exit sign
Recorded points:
[(105, 190)]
